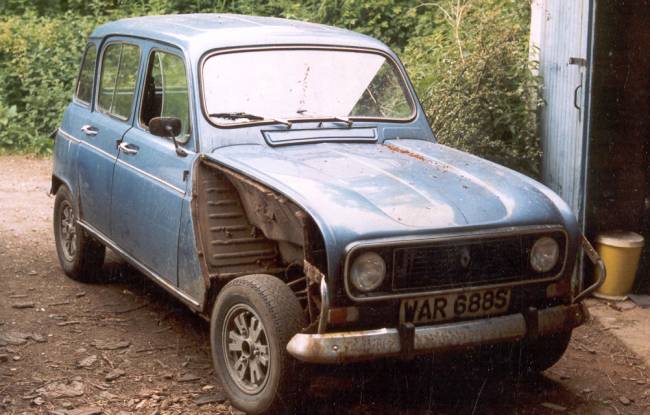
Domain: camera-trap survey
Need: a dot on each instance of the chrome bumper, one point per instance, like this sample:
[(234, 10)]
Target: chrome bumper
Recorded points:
[(370, 344), (601, 271)]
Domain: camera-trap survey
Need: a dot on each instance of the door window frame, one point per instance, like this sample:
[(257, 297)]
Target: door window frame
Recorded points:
[(192, 142), (75, 98), (100, 69), (145, 72)]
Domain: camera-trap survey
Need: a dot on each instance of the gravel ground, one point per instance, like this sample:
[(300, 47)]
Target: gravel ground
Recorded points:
[(125, 346)]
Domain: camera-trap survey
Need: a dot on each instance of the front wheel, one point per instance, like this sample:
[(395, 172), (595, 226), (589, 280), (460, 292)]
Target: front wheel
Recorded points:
[(528, 357), (544, 352), (252, 321)]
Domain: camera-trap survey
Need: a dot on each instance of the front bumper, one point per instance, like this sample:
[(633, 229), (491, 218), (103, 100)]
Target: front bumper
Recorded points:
[(409, 340), (370, 344)]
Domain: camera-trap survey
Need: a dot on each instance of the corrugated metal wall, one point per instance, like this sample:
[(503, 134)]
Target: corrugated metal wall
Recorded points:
[(559, 31)]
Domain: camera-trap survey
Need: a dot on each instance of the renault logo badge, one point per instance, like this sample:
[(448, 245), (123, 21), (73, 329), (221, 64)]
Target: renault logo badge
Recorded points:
[(465, 258)]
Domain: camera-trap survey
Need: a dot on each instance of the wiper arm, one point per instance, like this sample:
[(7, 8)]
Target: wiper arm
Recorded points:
[(248, 116), (346, 120), (322, 118), (235, 115)]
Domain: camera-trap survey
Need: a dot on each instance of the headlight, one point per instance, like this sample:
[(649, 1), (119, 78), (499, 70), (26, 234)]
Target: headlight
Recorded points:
[(545, 254), (367, 271)]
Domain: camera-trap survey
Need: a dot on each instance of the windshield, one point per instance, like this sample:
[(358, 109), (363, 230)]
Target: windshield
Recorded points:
[(294, 84)]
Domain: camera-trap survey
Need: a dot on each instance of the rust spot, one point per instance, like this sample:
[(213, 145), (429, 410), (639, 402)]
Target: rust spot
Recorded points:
[(396, 149), (313, 274), (440, 166)]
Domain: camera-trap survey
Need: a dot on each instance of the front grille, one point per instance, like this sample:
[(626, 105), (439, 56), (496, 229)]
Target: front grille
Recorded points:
[(466, 263)]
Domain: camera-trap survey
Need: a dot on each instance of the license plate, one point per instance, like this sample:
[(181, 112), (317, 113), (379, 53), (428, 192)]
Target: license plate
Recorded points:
[(445, 307)]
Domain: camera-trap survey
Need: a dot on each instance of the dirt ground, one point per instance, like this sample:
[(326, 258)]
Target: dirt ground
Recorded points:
[(125, 346), (627, 321)]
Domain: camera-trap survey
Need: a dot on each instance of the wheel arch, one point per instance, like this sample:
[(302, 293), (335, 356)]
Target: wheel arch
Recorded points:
[(294, 228), (56, 183)]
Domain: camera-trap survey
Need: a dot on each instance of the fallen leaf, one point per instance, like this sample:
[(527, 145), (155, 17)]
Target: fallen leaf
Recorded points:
[(114, 374), (87, 361), (56, 390), (554, 407), (111, 344), (89, 410)]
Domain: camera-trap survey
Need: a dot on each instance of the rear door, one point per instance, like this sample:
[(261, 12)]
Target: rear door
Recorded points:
[(110, 119), (151, 179), (76, 116)]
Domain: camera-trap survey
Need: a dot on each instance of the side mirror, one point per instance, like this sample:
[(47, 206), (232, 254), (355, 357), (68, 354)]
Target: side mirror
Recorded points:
[(168, 127)]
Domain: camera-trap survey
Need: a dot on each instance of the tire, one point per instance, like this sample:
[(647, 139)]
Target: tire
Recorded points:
[(544, 352), (80, 255), (528, 358), (252, 386)]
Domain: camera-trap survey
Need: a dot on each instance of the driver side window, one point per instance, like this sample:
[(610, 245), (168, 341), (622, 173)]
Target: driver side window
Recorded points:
[(166, 92)]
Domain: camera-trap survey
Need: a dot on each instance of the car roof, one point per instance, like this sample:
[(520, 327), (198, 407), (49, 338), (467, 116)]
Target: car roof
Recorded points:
[(202, 32)]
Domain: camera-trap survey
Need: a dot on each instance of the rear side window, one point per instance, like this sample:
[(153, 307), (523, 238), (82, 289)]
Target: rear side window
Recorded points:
[(166, 91), (84, 89), (119, 76)]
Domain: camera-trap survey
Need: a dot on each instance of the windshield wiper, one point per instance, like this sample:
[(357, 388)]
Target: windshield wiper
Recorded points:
[(323, 118), (248, 116), (346, 120)]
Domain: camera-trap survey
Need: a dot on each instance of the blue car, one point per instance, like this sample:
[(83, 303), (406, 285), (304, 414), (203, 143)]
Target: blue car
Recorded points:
[(280, 179)]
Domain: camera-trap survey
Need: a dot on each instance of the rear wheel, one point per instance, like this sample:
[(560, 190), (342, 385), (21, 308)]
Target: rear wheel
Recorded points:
[(80, 256), (252, 321)]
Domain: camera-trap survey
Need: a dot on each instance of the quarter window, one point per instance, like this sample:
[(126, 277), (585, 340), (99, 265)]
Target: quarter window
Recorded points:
[(84, 89), (166, 91), (118, 79)]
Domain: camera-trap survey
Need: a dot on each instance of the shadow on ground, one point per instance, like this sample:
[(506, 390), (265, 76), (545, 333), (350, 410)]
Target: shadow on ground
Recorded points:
[(420, 386), (451, 385)]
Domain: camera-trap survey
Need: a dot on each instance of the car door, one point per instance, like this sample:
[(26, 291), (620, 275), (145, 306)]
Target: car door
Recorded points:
[(76, 116), (150, 180), (106, 124)]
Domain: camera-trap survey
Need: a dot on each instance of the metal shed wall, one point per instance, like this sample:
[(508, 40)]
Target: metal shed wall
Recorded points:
[(560, 32)]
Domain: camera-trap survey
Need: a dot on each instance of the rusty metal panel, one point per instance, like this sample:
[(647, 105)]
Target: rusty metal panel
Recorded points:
[(234, 245)]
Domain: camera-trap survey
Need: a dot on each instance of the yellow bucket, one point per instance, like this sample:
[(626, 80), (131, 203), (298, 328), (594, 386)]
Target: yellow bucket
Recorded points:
[(621, 252)]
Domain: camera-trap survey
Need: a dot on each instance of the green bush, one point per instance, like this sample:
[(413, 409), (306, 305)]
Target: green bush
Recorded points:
[(39, 59), (468, 60), (475, 81)]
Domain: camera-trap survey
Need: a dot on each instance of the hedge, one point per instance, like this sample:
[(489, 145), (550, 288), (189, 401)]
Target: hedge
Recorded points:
[(468, 60)]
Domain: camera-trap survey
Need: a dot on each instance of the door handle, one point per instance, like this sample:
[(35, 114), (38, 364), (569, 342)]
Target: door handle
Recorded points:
[(128, 148), (89, 130), (575, 97)]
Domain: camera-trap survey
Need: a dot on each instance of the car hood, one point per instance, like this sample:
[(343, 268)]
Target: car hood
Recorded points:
[(400, 187)]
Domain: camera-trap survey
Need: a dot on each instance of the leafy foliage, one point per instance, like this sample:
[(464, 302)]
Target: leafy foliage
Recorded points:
[(475, 81), (39, 59), (468, 60)]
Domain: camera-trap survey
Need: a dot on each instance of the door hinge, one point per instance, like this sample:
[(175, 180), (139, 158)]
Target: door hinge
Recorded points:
[(186, 173), (578, 61)]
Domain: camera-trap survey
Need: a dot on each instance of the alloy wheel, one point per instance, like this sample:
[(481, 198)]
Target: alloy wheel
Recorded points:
[(246, 349), (68, 231)]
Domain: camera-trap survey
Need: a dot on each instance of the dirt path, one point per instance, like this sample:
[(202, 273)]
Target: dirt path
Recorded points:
[(125, 346)]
